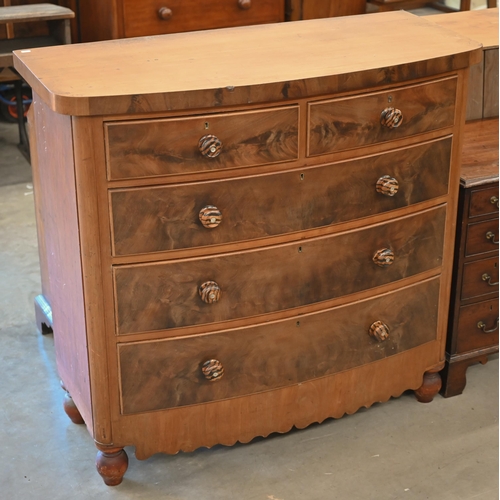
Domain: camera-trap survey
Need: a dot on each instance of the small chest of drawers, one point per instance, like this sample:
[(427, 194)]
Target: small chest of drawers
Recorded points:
[(473, 327), (246, 244)]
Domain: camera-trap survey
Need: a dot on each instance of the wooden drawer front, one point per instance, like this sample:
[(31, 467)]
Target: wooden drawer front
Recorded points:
[(144, 17), (150, 148), (352, 122), (165, 295), (482, 237), (483, 201), (470, 336), (167, 218), (167, 373), (480, 278)]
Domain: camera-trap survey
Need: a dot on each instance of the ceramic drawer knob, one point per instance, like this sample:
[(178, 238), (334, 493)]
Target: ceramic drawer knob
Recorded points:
[(383, 257), (490, 236), (387, 185), (212, 370), (210, 216), (379, 331), (494, 200), (391, 118), (486, 277), (210, 292), (482, 326), (210, 146), (165, 13), (244, 4)]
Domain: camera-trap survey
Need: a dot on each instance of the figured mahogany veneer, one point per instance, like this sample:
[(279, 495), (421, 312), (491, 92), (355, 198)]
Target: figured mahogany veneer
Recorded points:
[(237, 244), (274, 204)]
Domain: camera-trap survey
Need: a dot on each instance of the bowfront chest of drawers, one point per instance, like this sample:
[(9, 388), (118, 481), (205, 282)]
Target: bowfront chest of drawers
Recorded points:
[(248, 237)]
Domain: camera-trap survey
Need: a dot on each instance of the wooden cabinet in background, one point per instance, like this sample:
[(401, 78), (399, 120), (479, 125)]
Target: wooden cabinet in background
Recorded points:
[(224, 239)]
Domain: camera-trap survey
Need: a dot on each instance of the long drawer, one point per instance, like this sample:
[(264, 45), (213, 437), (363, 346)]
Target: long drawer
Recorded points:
[(150, 17), (149, 148), (170, 373), (243, 284), (352, 122), (210, 213), (483, 201)]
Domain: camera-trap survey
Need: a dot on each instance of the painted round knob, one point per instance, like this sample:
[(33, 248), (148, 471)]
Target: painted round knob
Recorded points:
[(379, 330), (387, 185), (244, 4), (383, 257), (210, 146), (210, 216), (212, 370), (165, 13), (391, 118), (210, 292)]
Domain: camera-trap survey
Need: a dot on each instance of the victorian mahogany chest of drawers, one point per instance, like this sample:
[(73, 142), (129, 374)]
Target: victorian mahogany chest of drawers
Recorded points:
[(246, 230)]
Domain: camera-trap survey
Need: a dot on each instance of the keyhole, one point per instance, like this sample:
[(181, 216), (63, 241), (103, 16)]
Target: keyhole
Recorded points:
[(301, 177), (300, 249), (298, 323), (389, 98), (206, 125)]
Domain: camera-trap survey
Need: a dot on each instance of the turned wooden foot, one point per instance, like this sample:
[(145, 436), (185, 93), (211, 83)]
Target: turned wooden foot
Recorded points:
[(430, 386), (112, 464), (71, 409)]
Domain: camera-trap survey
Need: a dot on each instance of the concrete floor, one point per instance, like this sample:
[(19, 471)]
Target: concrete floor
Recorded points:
[(402, 449)]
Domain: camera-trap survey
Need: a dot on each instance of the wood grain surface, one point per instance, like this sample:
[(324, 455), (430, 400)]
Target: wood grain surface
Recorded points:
[(85, 79), (165, 295), (167, 217), (166, 374), (163, 147), (352, 122)]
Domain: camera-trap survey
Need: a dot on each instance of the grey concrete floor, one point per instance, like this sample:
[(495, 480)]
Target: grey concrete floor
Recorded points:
[(402, 449)]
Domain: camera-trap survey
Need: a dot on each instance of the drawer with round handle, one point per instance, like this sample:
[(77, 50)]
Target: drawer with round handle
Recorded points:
[(179, 293), (144, 148), (155, 17), (483, 202), (352, 122), (191, 370)]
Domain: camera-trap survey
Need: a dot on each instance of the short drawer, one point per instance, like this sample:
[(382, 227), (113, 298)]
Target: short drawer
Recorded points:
[(483, 201), (482, 237), (478, 326), (180, 293), (480, 278), (352, 122), (170, 217), (169, 373), (148, 148), (150, 17)]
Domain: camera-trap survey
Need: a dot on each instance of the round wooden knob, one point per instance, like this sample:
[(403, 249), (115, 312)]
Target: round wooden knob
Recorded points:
[(212, 370), (210, 292), (210, 146), (244, 4), (387, 185), (379, 331), (210, 216), (391, 118), (165, 13), (384, 257)]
